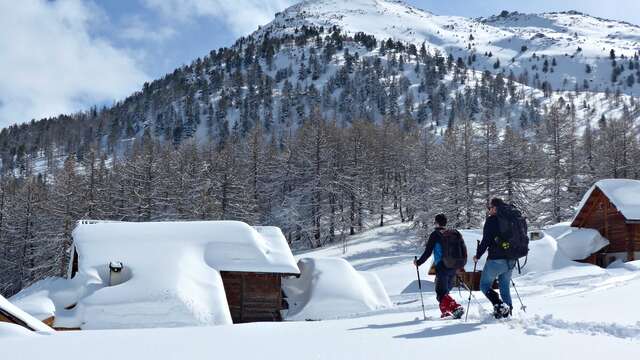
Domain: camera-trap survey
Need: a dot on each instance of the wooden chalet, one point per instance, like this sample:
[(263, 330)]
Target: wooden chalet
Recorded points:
[(612, 207), (251, 260)]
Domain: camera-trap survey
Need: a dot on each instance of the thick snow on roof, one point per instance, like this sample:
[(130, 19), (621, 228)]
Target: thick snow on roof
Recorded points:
[(171, 275), (227, 245), (331, 287), (623, 193), (171, 271), (576, 243), (16, 312)]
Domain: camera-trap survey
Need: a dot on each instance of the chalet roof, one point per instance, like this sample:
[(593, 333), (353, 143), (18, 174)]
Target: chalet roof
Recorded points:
[(623, 193), (11, 311), (227, 245)]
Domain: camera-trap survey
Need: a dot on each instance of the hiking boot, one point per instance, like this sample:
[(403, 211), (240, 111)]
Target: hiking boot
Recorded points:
[(457, 313), (448, 304), (501, 311)]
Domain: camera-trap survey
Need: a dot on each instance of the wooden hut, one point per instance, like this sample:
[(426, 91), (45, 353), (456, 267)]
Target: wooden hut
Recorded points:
[(612, 207), (251, 261)]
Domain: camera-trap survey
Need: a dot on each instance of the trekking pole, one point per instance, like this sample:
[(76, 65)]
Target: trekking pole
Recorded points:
[(475, 264), (523, 307), (466, 316), (466, 287), (424, 315)]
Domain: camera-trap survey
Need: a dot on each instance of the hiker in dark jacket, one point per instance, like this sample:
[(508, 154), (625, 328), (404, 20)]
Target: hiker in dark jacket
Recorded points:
[(497, 265), (444, 276)]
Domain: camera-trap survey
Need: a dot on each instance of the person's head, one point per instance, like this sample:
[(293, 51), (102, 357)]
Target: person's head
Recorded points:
[(494, 204), (441, 220)]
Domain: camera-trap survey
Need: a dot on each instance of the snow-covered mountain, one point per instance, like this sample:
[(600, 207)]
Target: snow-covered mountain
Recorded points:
[(522, 42), (313, 51)]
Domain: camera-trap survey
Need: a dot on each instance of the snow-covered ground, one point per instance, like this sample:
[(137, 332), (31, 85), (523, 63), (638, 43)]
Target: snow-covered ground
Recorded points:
[(574, 310)]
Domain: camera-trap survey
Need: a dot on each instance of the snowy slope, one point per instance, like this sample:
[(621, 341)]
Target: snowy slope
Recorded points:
[(568, 315), (522, 42), (390, 336)]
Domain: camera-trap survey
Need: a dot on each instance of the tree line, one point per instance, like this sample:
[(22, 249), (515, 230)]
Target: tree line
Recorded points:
[(319, 183)]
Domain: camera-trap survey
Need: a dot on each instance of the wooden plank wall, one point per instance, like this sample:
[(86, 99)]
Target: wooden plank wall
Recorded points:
[(253, 296), (634, 241), (600, 214)]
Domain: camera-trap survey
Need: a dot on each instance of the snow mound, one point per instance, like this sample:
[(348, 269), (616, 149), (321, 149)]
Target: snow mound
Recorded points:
[(576, 243), (544, 255), (8, 330), (631, 265), (415, 287), (331, 287), (18, 313), (37, 300)]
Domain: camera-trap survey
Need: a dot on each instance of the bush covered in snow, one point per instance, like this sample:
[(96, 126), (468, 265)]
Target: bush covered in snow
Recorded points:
[(331, 287)]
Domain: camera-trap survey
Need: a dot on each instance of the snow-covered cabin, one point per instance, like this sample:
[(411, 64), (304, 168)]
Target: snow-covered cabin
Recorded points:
[(612, 207), (151, 274), (9, 313)]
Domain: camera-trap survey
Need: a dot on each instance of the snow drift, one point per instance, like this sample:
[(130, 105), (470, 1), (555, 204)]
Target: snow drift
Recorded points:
[(331, 287), (8, 330), (576, 243)]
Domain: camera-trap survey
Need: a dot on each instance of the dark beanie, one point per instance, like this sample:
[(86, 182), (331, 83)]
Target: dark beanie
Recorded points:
[(497, 202)]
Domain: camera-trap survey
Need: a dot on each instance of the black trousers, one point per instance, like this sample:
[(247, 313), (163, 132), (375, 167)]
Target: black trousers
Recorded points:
[(444, 280)]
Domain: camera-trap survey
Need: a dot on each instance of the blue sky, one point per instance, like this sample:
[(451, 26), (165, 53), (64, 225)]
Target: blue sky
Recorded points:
[(62, 56)]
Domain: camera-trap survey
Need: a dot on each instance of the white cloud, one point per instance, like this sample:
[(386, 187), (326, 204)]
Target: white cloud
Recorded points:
[(51, 64), (242, 16), (136, 29)]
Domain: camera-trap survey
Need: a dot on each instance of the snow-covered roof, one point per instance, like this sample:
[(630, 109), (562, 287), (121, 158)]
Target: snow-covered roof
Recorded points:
[(623, 193), (171, 274), (28, 320), (226, 245)]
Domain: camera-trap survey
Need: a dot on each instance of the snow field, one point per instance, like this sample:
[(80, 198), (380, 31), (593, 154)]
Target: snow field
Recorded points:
[(569, 314)]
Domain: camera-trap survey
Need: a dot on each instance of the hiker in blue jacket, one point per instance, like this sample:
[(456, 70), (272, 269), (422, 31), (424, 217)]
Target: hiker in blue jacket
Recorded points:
[(444, 275)]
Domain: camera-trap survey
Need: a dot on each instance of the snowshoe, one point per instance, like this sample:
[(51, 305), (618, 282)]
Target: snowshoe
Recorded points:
[(458, 312), (501, 311)]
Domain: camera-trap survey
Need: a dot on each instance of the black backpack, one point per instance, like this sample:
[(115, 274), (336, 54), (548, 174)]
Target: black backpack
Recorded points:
[(513, 240), (454, 251)]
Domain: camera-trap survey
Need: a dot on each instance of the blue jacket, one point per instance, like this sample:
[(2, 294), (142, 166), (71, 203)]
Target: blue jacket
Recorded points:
[(433, 247)]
